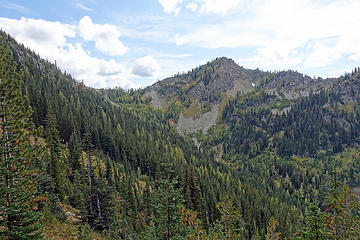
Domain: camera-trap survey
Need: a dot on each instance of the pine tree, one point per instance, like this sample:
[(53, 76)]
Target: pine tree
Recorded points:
[(75, 150), (19, 218), (271, 233), (53, 142), (167, 206), (316, 225), (231, 219), (90, 175)]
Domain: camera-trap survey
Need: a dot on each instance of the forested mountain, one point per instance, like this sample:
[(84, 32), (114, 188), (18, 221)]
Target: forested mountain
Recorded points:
[(113, 165)]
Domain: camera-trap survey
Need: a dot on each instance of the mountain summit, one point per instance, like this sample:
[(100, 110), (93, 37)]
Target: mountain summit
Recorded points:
[(202, 92)]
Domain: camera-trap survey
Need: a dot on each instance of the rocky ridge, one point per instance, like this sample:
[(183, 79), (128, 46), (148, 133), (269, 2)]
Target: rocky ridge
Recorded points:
[(212, 84)]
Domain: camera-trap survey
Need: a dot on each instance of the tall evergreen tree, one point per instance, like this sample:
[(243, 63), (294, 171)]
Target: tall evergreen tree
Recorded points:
[(168, 200), (19, 218), (316, 225), (53, 141), (75, 150), (88, 147)]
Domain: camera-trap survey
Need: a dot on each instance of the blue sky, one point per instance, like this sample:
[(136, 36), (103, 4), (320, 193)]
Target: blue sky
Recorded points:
[(134, 43)]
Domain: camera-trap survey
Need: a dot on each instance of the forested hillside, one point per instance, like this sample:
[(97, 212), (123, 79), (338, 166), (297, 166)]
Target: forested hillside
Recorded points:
[(106, 164)]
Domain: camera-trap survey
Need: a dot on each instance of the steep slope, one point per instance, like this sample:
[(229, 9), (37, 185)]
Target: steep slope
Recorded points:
[(202, 92), (106, 159), (131, 151), (222, 75)]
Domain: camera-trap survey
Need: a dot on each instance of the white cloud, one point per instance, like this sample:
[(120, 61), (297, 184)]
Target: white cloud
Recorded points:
[(50, 41), (217, 6), (82, 6), (171, 6), (184, 55), (95, 72), (106, 37), (16, 7), (146, 66), (355, 57), (181, 40), (38, 34), (221, 7), (226, 34), (192, 6), (320, 56), (283, 33)]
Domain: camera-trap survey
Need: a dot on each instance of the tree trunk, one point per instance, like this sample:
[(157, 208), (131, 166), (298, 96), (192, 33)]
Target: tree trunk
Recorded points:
[(98, 204)]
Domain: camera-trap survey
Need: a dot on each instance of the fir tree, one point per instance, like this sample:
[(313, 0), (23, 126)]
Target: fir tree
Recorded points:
[(231, 219), (53, 142), (316, 225), (19, 216), (167, 206)]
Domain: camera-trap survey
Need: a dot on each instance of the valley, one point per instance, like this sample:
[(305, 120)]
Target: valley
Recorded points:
[(218, 152)]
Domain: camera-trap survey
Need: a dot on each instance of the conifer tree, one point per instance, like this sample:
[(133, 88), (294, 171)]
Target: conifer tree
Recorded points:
[(343, 208), (271, 230), (90, 175), (19, 216), (168, 202), (53, 142), (231, 219), (316, 225), (75, 150)]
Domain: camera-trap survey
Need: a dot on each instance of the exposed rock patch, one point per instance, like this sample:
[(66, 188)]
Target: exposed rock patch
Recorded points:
[(204, 122)]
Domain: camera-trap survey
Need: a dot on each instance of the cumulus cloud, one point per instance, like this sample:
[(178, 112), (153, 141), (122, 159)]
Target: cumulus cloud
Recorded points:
[(146, 66), (51, 41), (95, 72), (106, 37), (35, 31), (171, 6)]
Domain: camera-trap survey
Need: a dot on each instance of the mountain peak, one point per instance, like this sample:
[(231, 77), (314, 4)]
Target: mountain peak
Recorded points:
[(219, 76), (224, 60)]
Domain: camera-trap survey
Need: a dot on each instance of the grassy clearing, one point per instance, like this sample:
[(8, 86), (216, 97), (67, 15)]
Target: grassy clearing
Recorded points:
[(192, 111)]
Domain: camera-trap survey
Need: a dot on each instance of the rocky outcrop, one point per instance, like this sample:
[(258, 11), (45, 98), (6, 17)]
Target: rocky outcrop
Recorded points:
[(222, 78)]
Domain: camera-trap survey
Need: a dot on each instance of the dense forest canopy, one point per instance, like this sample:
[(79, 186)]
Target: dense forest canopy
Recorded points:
[(107, 164)]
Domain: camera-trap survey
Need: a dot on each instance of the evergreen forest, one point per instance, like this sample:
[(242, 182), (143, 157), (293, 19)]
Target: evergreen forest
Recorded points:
[(84, 163)]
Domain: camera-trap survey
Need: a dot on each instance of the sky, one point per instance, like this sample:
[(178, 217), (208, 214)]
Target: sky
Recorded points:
[(135, 43)]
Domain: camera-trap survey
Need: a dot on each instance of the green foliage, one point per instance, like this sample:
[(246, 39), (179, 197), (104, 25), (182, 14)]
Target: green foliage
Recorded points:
[(84, 232), (308, 127), (231, 219), (19, 215), (316, 225), (271, 233), (174, 110), (167, 204), (343, 209), (55, 169), (105, 157)]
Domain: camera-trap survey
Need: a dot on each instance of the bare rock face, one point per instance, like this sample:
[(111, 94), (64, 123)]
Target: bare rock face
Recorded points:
[(221, 79), (293, 84), (221, 76), (204, 122)]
